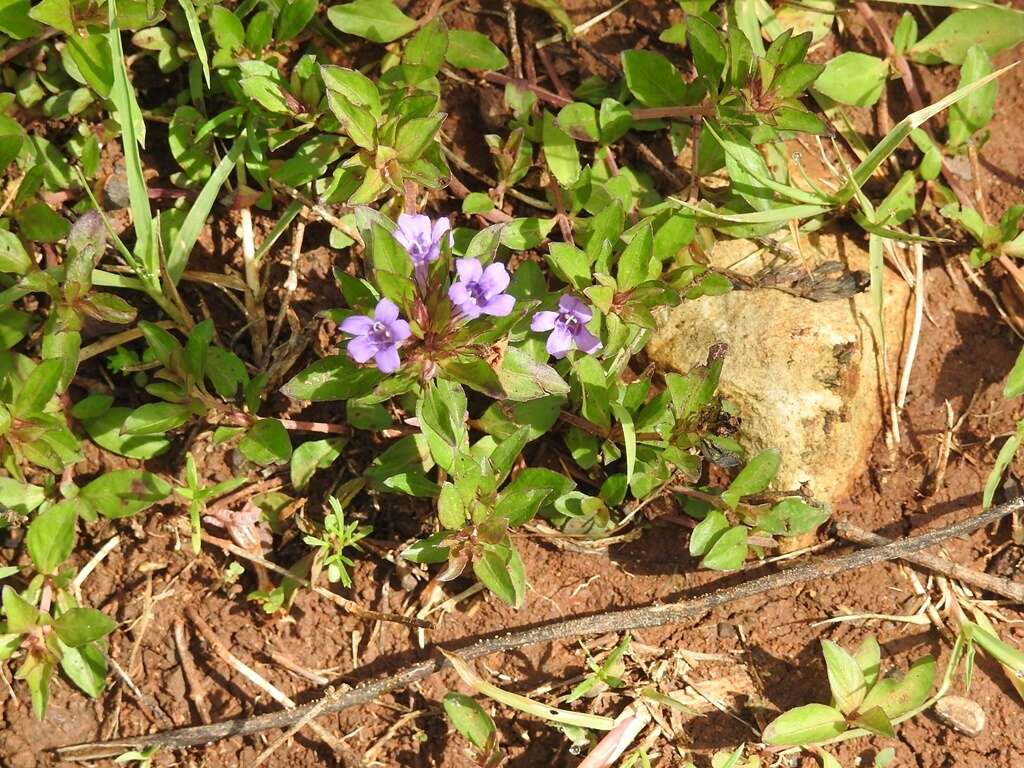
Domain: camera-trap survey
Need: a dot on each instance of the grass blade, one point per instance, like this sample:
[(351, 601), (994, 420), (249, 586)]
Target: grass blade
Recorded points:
[(133, 135), (194, 222), (192, 18), (902, 129)]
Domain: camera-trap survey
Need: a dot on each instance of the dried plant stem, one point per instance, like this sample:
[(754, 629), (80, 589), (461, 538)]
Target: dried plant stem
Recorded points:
[(109, 343), (613, 621), (348, 605), (940, 565), (82, 575), (254, 677), (188, 667)]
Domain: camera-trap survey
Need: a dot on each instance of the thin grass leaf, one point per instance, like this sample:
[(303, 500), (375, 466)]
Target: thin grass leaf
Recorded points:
[(196, 31), (902, 130), (773, 216), (791, 193), (287, 217), (524, 704), (194, 222), (628, 437), (133, 136), (876, 253)]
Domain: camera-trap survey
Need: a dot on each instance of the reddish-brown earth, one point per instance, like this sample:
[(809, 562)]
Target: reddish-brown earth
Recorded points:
[(150, 579)]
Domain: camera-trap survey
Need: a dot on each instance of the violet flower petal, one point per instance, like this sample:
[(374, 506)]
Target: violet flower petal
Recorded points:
[(357, 325), (469, 270), (559, 342), (386, 311), (387, 359), (543, 321), (494, 280), (500, 306), (362, 348), (400, 331), (586, 341)]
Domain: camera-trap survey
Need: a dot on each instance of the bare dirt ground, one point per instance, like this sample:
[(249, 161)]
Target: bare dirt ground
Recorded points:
[(152, 577)]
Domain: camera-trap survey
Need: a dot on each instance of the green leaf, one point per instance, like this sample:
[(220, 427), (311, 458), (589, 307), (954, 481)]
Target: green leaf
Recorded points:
[(500, 569), (266, 442), (469, 719), (729, 550), (22, 616), (379, 21), (472, 50), (560, 152), (196, 32), (86, 667), (156, 418), (295, 15), (20, 498), (869, 659), (707, 532), (106, 431), (332, 378), (1003, 460), (845, 677), (197, 348), (16, 20), (195, 221), (974, 112), (557, 12), (523, 378), (898, 696), (579, 120), (653, 79), (1015, 381), (38, 389), (808, 724), (425, 52), (754, 477), (227, 28), (637, 263), (992, 27), (429, 550), (417, 135), (124, 492), (708, 51), (13, 257), (876, 721), (79, 626), (441, 413), (314, 455), (51, 536), (853, 78), (133, 135)]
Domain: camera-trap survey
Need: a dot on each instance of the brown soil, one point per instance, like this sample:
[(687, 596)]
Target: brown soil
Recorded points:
[(150, 579)]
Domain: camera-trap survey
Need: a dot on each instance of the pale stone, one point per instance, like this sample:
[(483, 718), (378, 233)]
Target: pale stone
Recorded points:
[(961, 714), (806, 375)]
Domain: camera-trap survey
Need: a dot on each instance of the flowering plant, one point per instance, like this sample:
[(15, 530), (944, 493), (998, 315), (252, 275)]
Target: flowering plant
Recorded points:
[(490, 356)]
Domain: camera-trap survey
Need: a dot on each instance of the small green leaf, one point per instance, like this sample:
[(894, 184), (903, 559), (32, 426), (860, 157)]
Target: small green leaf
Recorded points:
[(79, 626), (1003, 460), (156, 418), (898, 696), (523, 378), (653, 79), (500, 569), (876, 721), (51, 536), (379, 21), (332, 378), (808, 724), (637, 263), (853, 78), (266, 442), (845, 677), (124, 492), (472, 50), (754, 477), (992, 27), (38, 389), (22, 616), (314, 455), (560, 152), (469, 719), (728, 551)]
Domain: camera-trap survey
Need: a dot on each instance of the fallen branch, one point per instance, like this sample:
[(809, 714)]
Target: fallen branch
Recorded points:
[(615, 621), (939, 565)]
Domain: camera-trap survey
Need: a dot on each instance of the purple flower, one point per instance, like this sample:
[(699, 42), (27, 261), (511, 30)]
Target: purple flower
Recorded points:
[(480, 291), (377, 337), (421, 238), (568, 327)]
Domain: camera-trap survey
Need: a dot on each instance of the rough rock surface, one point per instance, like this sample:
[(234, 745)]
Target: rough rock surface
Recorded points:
[(805, 374)]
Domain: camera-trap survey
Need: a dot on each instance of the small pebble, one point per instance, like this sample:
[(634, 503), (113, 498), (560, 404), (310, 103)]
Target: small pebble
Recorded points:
[(960, 714)]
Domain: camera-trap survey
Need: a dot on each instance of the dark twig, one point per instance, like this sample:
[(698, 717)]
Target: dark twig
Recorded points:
[(615, 621), (939, 565)]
